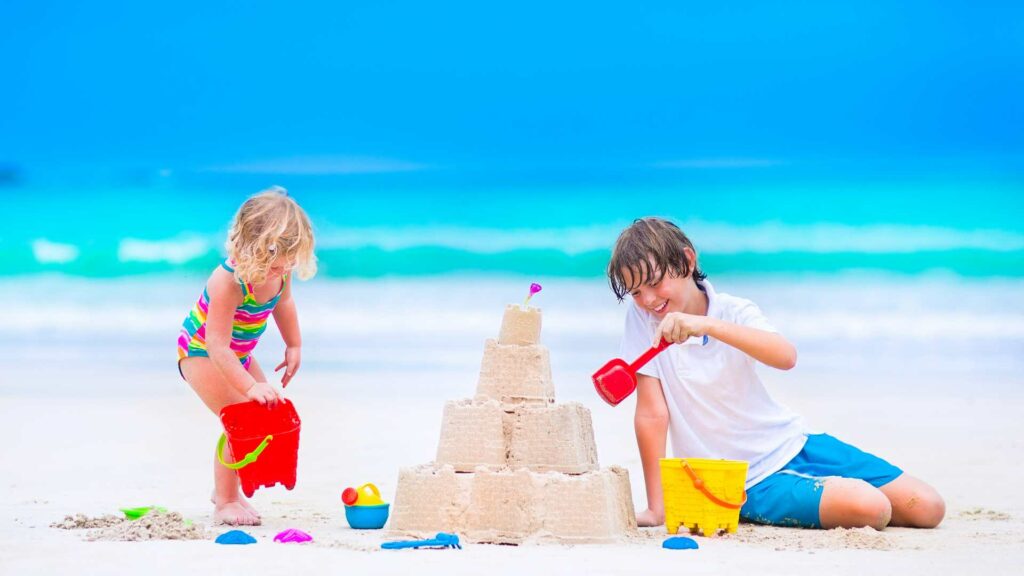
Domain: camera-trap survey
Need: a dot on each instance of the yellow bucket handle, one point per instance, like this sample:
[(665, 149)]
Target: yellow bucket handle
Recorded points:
[(699, 485), (373, 489)]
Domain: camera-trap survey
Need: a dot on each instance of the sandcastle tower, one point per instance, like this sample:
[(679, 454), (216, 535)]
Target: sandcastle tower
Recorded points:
[(512, 464)]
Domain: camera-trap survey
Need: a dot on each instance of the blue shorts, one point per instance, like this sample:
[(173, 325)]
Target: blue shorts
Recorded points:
[(792, 496)]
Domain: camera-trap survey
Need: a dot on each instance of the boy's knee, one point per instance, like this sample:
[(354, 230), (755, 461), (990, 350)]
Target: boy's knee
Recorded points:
[(873, 509), (856, 504), (927, 510)]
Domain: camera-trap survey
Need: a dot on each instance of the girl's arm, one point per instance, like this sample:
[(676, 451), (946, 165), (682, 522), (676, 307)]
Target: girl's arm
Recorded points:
[(225, 296), (651, 426), (767, 347), (287, 320)]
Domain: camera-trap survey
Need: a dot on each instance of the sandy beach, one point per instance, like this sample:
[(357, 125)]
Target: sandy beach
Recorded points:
[(92, 437), (853, 169)]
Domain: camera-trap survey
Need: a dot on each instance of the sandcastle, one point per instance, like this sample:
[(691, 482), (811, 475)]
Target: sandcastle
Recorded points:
[(512, 465)]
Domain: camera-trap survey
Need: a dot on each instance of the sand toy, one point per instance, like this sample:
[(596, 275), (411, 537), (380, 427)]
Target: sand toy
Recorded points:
[(269, 440), (364, 507), (442, 540), (372, 517), (293, 535), (235, 537), (139, 512), (616, 380), (679, 543), (703, 495), (365, 495)]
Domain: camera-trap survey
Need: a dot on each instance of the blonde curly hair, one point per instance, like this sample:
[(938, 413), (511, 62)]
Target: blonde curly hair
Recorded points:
[(268, 225)]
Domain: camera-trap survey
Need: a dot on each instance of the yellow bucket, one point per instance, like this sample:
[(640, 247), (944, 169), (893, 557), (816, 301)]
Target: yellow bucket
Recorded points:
[(703, 495)]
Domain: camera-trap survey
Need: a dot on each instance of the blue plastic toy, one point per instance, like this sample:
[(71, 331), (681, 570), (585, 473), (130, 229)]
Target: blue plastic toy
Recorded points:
[(367, 517), (442, 540), (679, 543), (235, 537)]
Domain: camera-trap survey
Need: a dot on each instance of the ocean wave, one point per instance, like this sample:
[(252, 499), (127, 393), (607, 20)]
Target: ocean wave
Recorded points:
[(46, 252), (325, 322), (711, 237), (582, 252), (855, 308), (174, 251)]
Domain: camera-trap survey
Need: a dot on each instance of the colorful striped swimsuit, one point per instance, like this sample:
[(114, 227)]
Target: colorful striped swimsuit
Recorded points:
[(248, 324)]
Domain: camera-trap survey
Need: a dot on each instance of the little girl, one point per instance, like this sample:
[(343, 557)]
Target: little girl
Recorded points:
[(269, 237)]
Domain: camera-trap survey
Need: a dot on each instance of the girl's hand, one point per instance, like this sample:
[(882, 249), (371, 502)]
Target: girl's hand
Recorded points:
[(292, 360), (677, 327), (264, 393)]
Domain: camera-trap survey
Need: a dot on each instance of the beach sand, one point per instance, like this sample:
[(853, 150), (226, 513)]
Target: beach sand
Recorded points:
[(82, 435), (95, 455)]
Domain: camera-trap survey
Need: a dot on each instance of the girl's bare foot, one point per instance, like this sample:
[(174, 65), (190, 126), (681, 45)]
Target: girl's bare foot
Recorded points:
[(647, 518), (241, 500), (235, 514), (248, 506)]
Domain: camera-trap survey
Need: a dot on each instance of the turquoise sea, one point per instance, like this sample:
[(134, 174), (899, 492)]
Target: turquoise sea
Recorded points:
[(967, 228), (875, 281)]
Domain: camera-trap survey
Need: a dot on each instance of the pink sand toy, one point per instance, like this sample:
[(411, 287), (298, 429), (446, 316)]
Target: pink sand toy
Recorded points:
[(293, 535), (265, 442), (616, 380)]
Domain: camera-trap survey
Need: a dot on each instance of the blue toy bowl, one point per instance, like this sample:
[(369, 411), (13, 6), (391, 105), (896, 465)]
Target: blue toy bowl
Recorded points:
[(367, 517)]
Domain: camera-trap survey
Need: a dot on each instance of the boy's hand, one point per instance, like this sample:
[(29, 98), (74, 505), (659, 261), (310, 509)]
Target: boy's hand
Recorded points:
[(264, 393), (677, 327), (648, 518), (292, 360)]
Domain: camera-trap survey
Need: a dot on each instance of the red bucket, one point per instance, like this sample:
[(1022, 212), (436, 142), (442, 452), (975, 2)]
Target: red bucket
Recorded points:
[(265, 443)]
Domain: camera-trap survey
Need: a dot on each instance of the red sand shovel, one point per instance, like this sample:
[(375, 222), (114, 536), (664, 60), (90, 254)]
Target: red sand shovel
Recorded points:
[(616, 380)]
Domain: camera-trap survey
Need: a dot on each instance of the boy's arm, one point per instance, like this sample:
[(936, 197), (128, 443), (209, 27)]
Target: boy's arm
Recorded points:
[(767, 347), (651, 426), (287, 319)]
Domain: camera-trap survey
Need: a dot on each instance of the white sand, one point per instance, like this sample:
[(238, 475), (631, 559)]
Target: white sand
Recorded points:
[(94, 455)]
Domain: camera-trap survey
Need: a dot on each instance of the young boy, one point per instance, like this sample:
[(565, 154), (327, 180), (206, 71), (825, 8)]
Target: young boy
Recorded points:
[(706, 393)]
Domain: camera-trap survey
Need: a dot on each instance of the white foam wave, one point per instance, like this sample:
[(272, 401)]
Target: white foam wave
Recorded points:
[(174, 251), (711, 237), (47, 252), (440, 323), (576, 312)]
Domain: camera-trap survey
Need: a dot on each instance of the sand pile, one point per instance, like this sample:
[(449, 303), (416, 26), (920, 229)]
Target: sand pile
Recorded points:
[(512, 465), (81, 521), (983, 514), (795, 539), (152, 526)]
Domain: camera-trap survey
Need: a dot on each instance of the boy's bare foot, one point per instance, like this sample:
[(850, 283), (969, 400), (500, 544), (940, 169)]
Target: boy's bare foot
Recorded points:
[(235, 514), (647, 518)]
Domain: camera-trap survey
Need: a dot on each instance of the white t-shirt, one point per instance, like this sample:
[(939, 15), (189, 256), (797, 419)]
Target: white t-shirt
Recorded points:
[(717, 405)]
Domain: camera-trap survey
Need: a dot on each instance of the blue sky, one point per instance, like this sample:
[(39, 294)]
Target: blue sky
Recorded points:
[(571, 86)]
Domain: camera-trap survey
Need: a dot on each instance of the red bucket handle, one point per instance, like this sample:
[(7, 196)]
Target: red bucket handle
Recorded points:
[(699, 485)]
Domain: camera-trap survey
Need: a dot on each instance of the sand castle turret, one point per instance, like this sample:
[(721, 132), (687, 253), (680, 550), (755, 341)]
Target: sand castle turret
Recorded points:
[(512, 464)]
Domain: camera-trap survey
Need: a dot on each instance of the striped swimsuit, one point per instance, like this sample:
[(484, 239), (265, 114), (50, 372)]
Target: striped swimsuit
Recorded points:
[(248, 324)]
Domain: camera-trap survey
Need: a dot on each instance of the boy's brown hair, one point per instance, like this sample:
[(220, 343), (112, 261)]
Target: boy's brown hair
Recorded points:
[(649, 248)]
